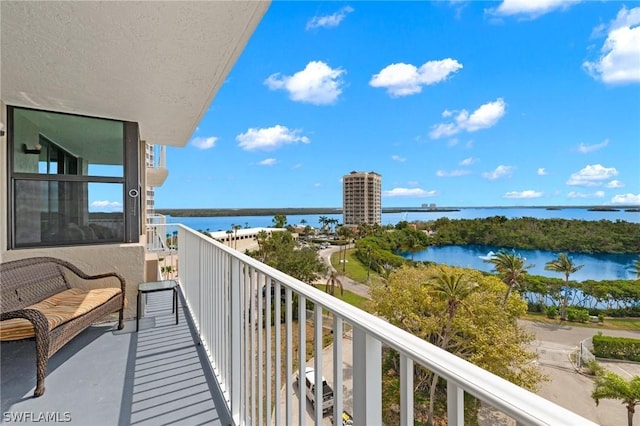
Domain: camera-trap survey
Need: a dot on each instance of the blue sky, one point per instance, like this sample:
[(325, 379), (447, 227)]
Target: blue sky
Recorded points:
[(453, 103)]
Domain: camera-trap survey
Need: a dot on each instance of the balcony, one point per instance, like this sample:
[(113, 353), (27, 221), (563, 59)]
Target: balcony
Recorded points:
[(226, 362), (156, 169)]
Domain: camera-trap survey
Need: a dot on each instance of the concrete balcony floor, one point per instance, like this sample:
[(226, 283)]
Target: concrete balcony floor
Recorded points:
[(158, 376)]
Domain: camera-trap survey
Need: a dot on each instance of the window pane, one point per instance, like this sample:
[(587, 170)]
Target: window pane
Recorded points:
[(61, 144), (58, 213)]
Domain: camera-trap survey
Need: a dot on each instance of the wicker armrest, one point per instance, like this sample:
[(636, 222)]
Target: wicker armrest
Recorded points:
[(35, 317)]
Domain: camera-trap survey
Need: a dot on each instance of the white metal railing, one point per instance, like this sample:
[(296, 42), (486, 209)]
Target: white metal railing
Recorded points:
[(162, 239), (228, 295)]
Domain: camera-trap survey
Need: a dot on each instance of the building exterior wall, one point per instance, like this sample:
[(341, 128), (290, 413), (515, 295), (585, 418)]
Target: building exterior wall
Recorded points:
[(361, 198), (126, 259)]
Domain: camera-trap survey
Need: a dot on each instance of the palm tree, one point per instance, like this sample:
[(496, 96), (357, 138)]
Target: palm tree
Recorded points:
[(609, 385), (261, 239), (235, 235), (511, 268), (636, 267), (332, 282), (324, 221), (565, 265), (453, 290), (279, 221)]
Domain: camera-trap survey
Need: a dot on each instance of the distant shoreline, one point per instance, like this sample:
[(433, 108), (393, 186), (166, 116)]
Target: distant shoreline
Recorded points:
[(335, 210)]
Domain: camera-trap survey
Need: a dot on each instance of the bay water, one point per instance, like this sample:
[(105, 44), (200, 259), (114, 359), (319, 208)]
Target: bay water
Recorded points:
[(596, 266)]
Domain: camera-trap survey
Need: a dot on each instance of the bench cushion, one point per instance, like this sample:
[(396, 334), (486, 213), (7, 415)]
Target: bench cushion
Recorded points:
[(58, 309)]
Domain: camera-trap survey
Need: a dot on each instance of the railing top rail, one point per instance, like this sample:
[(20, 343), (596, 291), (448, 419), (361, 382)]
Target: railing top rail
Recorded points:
[(525, 406)]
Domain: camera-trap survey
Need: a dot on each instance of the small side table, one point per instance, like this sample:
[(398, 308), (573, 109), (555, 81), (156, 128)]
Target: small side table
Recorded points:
[(153, 286)]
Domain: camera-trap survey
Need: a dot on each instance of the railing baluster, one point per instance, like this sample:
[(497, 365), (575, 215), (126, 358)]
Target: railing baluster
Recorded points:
[(337, 368), (267, 285), (455, 404), (289, 332), (317, 328), (236, 343), (406, 391), (302, 361), (367, 379), (278, 355)]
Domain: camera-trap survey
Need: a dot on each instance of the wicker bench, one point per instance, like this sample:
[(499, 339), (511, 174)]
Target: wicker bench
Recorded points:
[(38, 302)]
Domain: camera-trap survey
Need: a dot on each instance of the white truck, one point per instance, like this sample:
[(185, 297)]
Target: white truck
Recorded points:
[(310, 390)]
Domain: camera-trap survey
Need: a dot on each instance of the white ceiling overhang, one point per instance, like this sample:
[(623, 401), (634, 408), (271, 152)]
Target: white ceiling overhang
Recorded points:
[(156, 63)]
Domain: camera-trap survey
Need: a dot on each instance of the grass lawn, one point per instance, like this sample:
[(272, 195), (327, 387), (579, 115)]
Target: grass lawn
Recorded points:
[(349, 297), (631, 324), (353, 268)]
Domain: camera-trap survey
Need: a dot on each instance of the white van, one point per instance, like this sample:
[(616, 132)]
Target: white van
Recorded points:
[(310, 390)]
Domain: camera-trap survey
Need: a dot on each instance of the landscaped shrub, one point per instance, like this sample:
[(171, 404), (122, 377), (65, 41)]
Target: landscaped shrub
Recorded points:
[(551, 311), (616, 347), (578, 314), (535, 307), (593, 367)]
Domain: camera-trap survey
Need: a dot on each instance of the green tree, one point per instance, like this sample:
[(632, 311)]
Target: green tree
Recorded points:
[(609, 385), (324, 221), (511, 268), (636, 268), (332, 282), (563, 264), (235, 235), (261, 239), (452, 289), (434, 303), (279, 221), (281, 252)]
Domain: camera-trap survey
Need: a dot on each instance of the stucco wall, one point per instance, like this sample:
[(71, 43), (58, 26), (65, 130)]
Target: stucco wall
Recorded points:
[(126, 259)]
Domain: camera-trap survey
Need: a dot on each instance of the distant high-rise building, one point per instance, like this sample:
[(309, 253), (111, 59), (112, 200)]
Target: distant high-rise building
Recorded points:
[(361, 198)]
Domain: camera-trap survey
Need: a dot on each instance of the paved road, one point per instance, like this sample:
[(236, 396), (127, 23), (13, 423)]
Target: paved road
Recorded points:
[(327, 370), (569, 388), (348, 284)]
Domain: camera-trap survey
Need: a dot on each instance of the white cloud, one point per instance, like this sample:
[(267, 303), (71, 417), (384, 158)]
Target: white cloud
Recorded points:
[(106, 206), (542, 171), (626, 199), (618, 61), (485, 116), (446, 113), (406, 79), (269, 138), (575, 194), (408, 192), (584, 148), (592, 175), (268, 162), (317, 84), (317, 185), (499, 172), (615, 184), (398, 158), (204, 143), (297, 166), (468, 161), (443, 129), (523, 194), (452, 173), (531, 9), (328, 21)]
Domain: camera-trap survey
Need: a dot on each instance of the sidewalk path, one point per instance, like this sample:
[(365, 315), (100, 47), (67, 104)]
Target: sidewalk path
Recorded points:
[(348, 284)]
